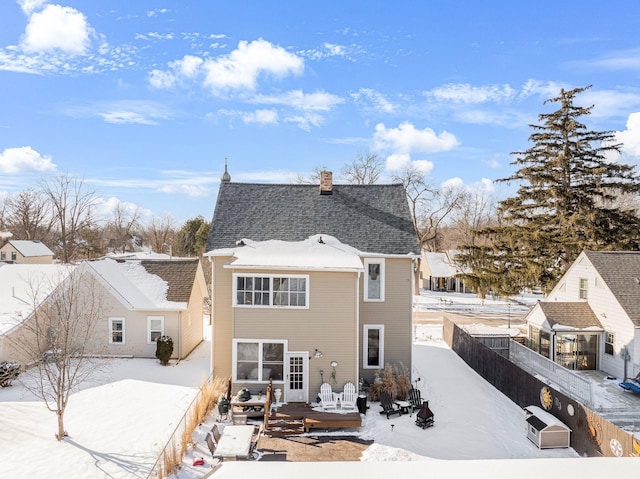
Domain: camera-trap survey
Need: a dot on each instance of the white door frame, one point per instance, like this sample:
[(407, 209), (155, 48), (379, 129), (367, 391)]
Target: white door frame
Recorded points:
[(294, 359)]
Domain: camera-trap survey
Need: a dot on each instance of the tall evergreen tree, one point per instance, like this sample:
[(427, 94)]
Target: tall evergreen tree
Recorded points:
[(566, 200)]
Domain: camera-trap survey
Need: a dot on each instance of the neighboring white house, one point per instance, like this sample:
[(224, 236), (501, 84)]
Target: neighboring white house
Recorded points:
[(439, 271), (591, 319), (26, 251)]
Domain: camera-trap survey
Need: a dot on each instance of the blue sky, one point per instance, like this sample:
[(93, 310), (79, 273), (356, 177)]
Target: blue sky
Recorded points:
[(146, 99)]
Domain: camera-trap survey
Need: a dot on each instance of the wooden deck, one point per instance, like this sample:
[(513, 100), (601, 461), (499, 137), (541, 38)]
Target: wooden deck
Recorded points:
[(295, 418)]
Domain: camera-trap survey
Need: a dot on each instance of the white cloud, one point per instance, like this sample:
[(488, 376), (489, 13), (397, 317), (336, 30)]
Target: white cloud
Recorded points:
[(122, 112), (379, 102), (465, 93), (406, 139), (57, 28), (400, 161), (18, 160), (318, 101), (326, 51), (156, 12), (29, 6), (261, 117), (614, 61), (121, 117), (160, 36), (608, 103), (545, 90), (240, 69), (193, 191), (630, 139)]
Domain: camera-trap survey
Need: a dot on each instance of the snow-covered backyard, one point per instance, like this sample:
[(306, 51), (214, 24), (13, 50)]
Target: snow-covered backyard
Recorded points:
[(118, 425)]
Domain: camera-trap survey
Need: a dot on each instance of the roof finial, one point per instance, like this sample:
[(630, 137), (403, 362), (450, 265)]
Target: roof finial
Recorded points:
[(226, 177)]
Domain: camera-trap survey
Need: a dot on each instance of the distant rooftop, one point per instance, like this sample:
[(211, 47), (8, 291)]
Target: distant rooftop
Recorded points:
[(29, 248)]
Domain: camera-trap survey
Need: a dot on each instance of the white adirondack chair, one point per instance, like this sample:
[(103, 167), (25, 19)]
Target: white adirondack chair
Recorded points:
[(349, 397), (328, 399)]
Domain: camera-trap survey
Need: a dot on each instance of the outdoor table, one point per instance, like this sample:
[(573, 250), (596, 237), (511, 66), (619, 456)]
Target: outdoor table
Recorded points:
[(404, 406), (235, 442)]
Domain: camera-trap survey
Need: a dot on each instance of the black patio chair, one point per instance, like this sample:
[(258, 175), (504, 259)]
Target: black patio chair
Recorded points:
[(415, 399), (388, 406)]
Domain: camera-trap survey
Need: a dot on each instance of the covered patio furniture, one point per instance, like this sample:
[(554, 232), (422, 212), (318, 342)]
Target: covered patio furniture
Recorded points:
[(328, 399), (388, 406), (349, 397)]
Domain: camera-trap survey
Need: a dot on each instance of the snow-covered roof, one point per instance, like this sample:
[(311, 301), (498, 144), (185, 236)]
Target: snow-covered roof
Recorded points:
[(134, 285), (547, 418), (318, 252), (439, 265), (138, 255), (29, 248), (19, 283)]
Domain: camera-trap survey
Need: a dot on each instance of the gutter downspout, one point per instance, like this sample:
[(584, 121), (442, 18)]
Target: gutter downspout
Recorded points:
[(357, 359), (211, 316)]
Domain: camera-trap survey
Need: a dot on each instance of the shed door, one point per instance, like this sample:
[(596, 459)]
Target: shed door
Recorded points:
[(296, 381)]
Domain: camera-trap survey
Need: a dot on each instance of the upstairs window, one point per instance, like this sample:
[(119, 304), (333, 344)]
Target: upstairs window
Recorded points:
[(374, 279), (290, 291), (583, 288)]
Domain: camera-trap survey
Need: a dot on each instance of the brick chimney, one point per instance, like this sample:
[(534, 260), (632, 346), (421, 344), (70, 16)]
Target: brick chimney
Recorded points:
[(326, 182)]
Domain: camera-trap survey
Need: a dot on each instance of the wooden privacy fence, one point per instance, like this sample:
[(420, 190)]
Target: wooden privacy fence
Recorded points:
[(591, 434)]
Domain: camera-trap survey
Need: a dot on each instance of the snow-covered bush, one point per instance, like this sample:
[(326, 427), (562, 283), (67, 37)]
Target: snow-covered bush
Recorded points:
[(8, 372), (164, 349)]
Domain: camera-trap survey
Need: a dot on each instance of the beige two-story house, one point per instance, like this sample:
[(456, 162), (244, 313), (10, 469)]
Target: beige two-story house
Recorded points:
[(311, 284)]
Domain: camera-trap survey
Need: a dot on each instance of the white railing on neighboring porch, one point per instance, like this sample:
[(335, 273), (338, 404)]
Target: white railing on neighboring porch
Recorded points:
[(555, 375)]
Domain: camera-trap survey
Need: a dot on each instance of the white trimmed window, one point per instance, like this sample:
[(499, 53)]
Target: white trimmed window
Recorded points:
[(155, 328), (374, 279), (291, 291), (116, 330), (584, 284), (609, 340), (258, 360), (373, 349)]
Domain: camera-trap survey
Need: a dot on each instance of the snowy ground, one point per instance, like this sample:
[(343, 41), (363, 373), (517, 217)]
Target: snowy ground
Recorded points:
[(118, 425), (465, 302)]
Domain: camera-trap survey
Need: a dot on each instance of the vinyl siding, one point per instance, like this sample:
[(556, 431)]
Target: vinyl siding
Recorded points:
[(395, 313), (328, 324), (606, 308)]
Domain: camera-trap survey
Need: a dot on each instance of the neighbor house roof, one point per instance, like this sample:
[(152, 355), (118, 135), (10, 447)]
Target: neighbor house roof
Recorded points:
[(570, 315), (24, 285), (28, 248), (370, 218), (180, 274), (620, 270), (137, 287)]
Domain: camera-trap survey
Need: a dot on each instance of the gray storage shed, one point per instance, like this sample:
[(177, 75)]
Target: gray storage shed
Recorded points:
[(545, 430)]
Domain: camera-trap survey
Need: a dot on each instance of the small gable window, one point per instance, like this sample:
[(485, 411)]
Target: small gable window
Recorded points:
[(583, 288)]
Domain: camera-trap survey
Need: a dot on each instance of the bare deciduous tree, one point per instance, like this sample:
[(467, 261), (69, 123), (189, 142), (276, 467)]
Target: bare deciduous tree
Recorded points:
[(72, 209), (60, 341), (429, 206), (124, 224), (28, 215), (160, 233), (365, 169)]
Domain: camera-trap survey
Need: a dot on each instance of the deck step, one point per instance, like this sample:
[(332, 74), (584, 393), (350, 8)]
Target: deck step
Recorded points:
[(285, 427)]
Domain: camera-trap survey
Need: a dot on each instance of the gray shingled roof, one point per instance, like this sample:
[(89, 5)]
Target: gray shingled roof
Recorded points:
[(180, 275), (576, 314), (370, 218), (620, 271)]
